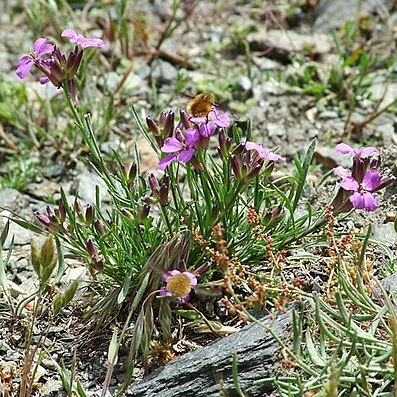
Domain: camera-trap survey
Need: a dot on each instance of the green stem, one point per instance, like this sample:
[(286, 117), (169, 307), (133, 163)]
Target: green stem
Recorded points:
[(167, 220), (231, 201)]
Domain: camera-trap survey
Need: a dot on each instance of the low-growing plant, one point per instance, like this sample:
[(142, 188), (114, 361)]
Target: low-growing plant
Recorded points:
[(212, 221)]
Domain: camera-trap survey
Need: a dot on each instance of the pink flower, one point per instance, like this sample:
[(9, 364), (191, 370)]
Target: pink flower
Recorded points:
[(362, 198), (263, 152), (79, 39), (209, 123), (182, 148), (178, 284), (41, 47), (362, 152)]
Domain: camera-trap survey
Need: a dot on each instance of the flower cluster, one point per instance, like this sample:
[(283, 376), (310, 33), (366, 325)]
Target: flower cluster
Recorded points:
[(55, 66), (192, 134), (357, 186), (181, 142)]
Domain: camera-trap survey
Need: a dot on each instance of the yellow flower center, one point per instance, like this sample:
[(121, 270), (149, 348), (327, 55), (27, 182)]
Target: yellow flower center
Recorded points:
[(179, 285)]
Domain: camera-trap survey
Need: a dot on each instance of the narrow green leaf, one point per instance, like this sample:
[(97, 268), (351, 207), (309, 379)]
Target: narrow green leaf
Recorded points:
[(303, 173)]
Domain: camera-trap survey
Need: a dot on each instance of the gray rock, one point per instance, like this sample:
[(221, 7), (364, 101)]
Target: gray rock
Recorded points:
[(285, 43), (385, 233), (333, 13), (86, 187), (202, 372), (50, 387), (330, 158), (389, 284), (274, 130), (163, 72), (244, 82)]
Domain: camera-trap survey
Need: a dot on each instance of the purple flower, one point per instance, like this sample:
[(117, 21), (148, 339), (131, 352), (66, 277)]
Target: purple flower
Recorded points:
[(79, 39), (362, 152), (41, 47), (362, 198), (209, 123), (263, 152), (182, 148), (178, 284)]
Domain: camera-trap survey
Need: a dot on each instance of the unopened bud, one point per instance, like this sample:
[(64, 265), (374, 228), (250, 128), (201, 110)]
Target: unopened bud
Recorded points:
[(154, 186), (142, 213), (99, 227), (169, 124), (202, 269), (238, 149), (153, 127), (91, 249), (224, 144), (62, 211), (44, 219), (126, 213), (185, 119), (236, 167), (132, 173), (254, 171), (89, 213), (164, 190)]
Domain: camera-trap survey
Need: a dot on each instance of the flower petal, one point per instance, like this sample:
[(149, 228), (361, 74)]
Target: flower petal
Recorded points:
[(191, 137), (186, 155), (371, 180), (221, 119), (164, 292), (42, 46), (365, 200), (207, 129), (349, 183), (171, 145), (44, 80), (71, 34), (24, 65), (84, 42), (192, 278), (369, 151), (91, 42), (167, 276), (343, 148), (166, 161), (343, 172)]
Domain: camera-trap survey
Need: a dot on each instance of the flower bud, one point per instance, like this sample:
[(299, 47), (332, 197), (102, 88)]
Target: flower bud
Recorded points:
[(142, 213), (168, 129), (238, 149), (185, 119), (62, 210), (153, 127), (44, 219), (99, 227), (164, 190), (236, 167), (126, 213), (224, 144), (154, 186), (198, 167), (89, 213), (132, 174), (254, 172), (91, 249)]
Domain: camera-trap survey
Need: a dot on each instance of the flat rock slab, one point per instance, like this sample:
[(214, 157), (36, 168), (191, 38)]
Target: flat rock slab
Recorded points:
[(281, 45), (207, 371)]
